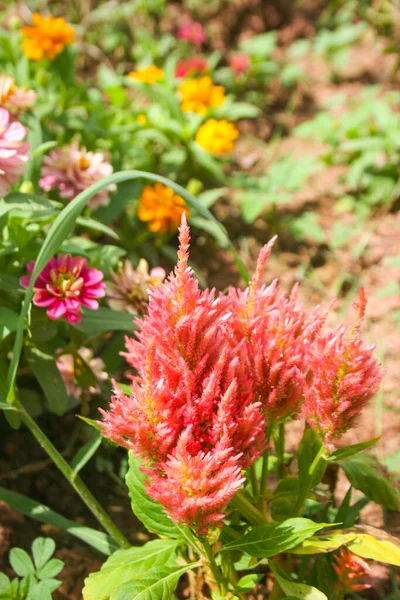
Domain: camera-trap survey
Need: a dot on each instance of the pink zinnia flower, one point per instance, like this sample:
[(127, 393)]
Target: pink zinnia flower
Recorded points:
[(13, 98), (69, 366), (191, 410), (345, 376), (13, 151), (240, 63), (191, 66), (65, 285), (192, 31), (278, 333), (350, 569), (71, 169)]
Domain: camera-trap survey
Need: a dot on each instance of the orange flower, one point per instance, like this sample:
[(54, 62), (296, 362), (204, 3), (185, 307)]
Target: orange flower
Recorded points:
[(161, 208), (198, 95), (47, 37), (150, 74)]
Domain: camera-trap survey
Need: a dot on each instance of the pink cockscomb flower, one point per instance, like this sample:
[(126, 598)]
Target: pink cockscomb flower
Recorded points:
[(65, 285), (13, 151), (191, 411), (278, 333), (351, 570), (72, 169), (13, 98), (71, 368), (240, 63), (191, 66), (345, 376), (193, 32)]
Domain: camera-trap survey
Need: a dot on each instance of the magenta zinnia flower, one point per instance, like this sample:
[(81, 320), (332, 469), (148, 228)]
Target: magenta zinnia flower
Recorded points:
[(345, 376), (13, 151), (71, 169), (191, 414), (65, 285), (191, 66), (193, 32)]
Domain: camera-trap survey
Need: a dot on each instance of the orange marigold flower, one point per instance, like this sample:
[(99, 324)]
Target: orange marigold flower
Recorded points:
[(150, 74), (47, 37), (217, 137), (198, 95), (161, 208)]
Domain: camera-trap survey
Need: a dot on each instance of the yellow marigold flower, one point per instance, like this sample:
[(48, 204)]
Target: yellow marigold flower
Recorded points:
[(47, 37), (198, 95), (150, 74), (141, 119), (217, 137), (161, 208)]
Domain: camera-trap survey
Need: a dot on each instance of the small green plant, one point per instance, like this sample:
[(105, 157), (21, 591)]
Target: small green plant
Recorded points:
[(35, 578)]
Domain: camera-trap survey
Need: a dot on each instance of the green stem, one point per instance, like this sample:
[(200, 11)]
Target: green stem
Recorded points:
[(75, 481), (253, 480), (247, 510), (264, 472), (219, 577), (280, 449), (315, 465)]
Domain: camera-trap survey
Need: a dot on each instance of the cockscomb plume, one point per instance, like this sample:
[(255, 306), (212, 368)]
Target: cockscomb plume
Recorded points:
[(191, 410)]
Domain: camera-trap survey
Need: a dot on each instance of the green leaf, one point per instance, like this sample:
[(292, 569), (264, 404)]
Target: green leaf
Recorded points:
[(247, 583), (364, 474), (284, 500), (264, 541), (105, 319), (42, 550), (21, 562), (149, 512), (347, 451), (4, 584), (8, 321), (125, 565), (309, 448), (45, 369), (39, 512), (96, 226), (85, 453), (51, 569), (293, 589), (157, 584)]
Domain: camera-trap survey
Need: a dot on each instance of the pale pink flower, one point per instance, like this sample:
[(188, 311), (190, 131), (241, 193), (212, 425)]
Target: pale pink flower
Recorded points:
[(71, 169), (13, 151), (193, 32), (345, 376), (351, 570), (65, 285), (191, 406), (278, 333), (71, 368), (129, 291), (240, 63), (13, 98)]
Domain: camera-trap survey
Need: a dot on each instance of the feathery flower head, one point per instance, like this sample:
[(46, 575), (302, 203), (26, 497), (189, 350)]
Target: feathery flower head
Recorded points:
[(199, 95), (70, 368), (150, 74), (240, 63), (217, 137), (129, 291), (191, 66), (13, 98), (193, 32), (351, 570), (47, 37), (345, 376), (65, 285), (71, 169), (278, 332), (191, 413), (161, 208), (13, 151)]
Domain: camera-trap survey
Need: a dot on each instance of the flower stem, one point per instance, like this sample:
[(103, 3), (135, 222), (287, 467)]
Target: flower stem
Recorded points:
[(264, 472), (219, 577), (315, 465), (246, 508), (279, 441), (74, 479)]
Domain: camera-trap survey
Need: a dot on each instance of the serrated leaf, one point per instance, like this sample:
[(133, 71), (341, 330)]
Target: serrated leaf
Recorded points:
[(157, 584), (264, 541), (125, 565), (42, 550), (363, 473), (149, 512), (21, 562)]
